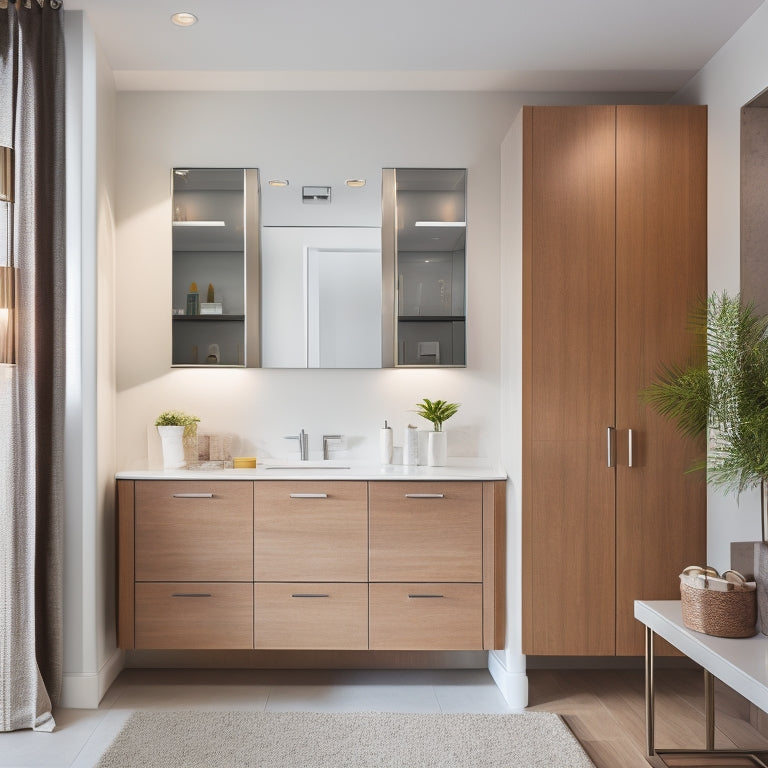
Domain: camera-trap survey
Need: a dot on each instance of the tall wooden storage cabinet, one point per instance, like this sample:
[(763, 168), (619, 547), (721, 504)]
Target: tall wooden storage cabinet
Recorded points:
[(614, 244)]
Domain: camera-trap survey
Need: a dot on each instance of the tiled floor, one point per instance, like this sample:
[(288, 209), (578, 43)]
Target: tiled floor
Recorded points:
[(82, 735)]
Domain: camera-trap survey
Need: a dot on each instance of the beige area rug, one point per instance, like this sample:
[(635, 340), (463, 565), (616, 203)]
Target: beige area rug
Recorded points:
[(358, 740)]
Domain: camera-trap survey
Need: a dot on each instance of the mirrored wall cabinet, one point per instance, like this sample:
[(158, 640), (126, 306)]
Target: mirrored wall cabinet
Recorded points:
[(333, 294), (215, 293), (425, 220)]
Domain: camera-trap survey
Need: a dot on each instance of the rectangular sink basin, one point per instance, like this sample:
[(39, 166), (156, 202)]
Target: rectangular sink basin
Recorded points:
[(305, 465)]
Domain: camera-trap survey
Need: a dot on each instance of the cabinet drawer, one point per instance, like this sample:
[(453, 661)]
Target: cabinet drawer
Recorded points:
[(311, 615), (194, 531), (310, 531), (425, 531), (194, 615), (426, 616)]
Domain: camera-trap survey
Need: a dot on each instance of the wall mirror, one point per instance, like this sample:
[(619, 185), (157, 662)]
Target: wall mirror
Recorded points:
[(309, 283), (425, 227), (215, 290), (321, 303)]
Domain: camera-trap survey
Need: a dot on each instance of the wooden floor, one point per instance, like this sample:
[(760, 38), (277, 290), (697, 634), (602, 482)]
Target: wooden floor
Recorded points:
[(605, 709)]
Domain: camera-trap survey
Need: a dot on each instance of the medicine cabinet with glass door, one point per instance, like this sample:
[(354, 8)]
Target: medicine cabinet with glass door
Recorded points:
[(424, 233), (215, 283)]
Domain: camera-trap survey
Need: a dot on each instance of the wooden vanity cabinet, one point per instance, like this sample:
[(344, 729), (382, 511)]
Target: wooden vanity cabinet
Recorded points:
[(192, 615), (309, 535), (426, 531), (192, 564), (311, 565), (310, 531), (205, 531), (311, 615), (426, 565)]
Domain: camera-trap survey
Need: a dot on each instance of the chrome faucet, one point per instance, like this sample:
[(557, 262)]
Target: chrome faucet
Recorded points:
[(326, 440), (303, 439)]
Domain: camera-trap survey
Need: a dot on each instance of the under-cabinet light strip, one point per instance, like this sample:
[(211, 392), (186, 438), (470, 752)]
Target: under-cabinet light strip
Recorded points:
[(199, 224), (441, 223)]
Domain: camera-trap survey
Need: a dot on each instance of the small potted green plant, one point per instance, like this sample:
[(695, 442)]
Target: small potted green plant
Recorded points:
[(174, 427), (438, 412)]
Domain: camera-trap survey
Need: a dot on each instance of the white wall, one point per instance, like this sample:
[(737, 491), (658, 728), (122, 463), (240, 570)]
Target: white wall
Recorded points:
[(332, 134), (508, 669), (90, 658), (734, 76)]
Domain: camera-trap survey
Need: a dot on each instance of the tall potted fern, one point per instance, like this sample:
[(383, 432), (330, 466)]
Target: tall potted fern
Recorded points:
[(728, 395), (727, 392)]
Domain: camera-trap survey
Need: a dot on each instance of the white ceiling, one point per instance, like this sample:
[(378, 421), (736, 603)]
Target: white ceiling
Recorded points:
[(617, 45)]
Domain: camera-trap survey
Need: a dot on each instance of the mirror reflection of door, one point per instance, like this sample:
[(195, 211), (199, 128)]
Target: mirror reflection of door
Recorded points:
[(430, 266), (321, 297), (344, 308)]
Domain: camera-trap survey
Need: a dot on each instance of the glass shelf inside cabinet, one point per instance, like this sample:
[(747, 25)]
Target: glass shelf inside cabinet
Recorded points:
[(210, 297)]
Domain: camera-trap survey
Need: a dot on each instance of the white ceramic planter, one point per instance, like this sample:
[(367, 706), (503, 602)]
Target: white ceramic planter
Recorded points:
[(172, 439), (437, 449)]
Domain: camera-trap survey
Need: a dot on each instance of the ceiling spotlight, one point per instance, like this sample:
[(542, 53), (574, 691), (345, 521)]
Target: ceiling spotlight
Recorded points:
[(184, 19), (355, 182), (278, 182)]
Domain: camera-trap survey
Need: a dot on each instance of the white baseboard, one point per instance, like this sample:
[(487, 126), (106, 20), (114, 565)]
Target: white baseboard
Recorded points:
[(84, 690), (513, 685)]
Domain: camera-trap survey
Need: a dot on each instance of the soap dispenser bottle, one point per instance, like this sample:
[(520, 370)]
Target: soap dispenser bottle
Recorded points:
[(385, 444)]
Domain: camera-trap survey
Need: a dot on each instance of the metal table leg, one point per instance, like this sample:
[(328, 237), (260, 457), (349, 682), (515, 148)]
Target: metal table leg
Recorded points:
[(650, 692), (709, 708)]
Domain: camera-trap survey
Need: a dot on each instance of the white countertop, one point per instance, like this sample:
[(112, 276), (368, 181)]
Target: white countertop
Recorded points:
[(275, 469), (741, 663)]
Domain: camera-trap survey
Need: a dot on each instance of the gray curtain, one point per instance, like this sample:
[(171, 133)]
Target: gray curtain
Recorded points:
[(32, 391)]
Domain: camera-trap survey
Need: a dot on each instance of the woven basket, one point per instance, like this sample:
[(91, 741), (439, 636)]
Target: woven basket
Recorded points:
[(722, 614)]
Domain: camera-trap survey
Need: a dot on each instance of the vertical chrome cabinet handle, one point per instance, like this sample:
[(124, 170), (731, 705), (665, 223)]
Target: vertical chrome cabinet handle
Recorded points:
[(192, 495), (611, 451), (629, 448)]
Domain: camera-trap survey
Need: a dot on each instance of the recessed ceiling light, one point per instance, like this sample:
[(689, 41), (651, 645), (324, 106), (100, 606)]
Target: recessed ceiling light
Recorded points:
[(278, 182), (184, 19), (355, 182)]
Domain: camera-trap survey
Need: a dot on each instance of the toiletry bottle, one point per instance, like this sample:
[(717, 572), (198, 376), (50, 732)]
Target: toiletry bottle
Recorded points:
[(411, 446), (385, 444)]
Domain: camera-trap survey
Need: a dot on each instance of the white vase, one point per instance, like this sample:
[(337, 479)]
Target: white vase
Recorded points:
[(437, 449), (172, 439)]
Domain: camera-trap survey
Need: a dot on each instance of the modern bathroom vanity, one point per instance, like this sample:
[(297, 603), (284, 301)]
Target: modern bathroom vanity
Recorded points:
[(352, 558)]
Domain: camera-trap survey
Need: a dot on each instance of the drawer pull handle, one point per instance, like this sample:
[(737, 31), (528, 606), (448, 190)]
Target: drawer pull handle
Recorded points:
[(307, 594), (191, 594), (309, 495), (424, 495), (192, 495), (426, 597)]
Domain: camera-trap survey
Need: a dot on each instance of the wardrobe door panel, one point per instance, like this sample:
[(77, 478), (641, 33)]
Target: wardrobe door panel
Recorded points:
[(568, 387), (661, 274)]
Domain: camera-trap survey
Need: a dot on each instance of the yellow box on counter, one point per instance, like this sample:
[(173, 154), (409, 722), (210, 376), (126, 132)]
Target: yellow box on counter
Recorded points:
[(244, 462)]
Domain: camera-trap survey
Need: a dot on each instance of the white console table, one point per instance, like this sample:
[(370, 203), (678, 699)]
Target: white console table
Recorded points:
[(740, 663)]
